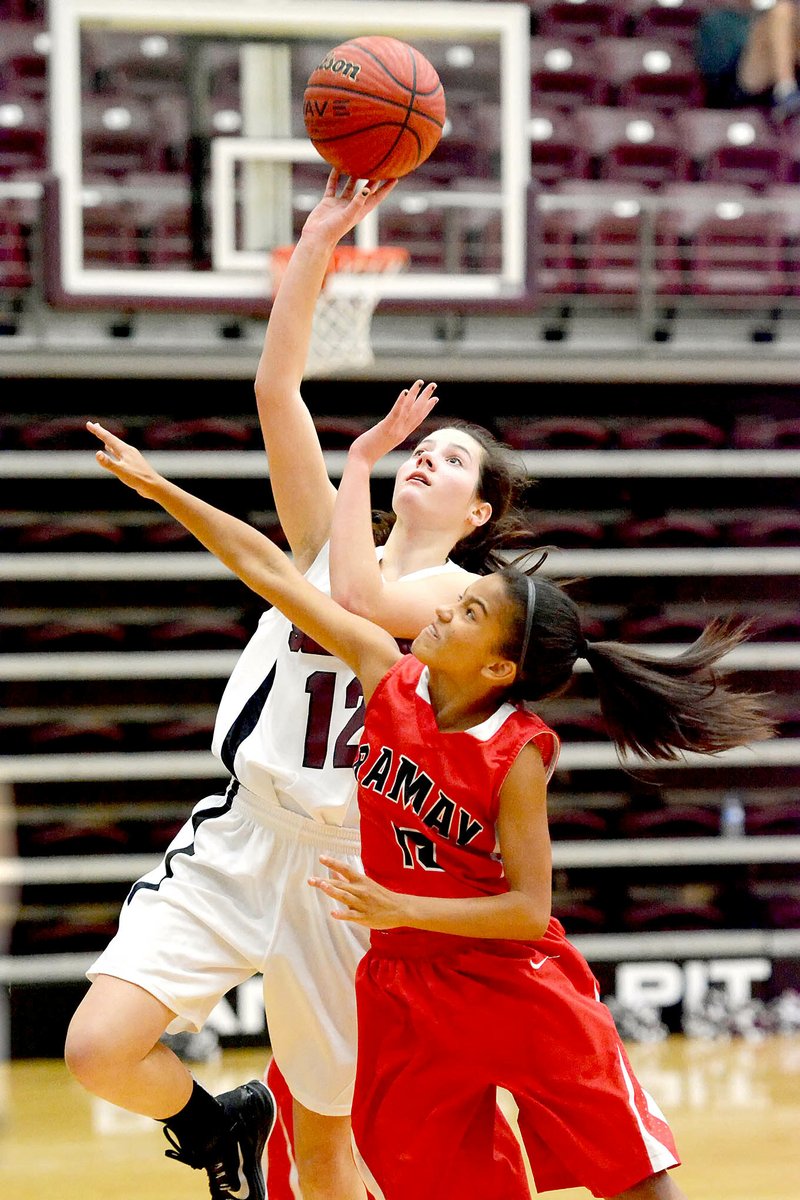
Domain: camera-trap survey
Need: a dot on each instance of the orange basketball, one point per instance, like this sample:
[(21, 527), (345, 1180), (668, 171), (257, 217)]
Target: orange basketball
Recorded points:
[(374, 108)]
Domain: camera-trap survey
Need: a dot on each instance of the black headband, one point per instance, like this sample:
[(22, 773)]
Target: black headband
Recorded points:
[(530, 609)]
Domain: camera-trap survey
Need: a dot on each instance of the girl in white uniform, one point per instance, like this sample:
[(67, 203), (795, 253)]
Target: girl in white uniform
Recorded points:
[(230, 898)]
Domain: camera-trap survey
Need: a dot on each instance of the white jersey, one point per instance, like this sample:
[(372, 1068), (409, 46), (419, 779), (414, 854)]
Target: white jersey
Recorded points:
[(291, 716)]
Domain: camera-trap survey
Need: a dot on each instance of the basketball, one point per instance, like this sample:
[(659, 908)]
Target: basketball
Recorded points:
[(374, 108)]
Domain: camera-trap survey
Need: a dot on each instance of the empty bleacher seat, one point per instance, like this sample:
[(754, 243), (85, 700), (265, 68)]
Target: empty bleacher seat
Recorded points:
[(672, 433), (192, 633), (727, 249), (17, 219), (456, 157), (99, 836), (579, 917), (558, 267), (663, 915), (65, 534), (577, 824), (773, 820), (767, 433), (772, 528), (190, 733), (673, 19), (76, 736), (75, 632), (568, 530), (670, 529), (121, 134), (111, 235), (556, 150), (554, 433), (587, 20), (137, 64), (777, 625), (631, 145), (595, 242), (651, 73), (23, 125), (733, 147), (565, 74), (200, 433), (24, 47), (741, 254), (671, 821), (672, 627)]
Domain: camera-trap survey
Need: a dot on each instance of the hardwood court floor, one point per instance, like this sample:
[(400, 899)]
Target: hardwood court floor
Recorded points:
[(734, 1107)]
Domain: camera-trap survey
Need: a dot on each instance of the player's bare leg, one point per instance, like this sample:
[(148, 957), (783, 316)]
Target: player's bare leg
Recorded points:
[(772, 50), (324, 1157), (113, 1050), (658, 1187)]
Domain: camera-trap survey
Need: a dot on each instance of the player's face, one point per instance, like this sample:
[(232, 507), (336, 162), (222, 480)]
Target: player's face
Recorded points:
[(437, 484), (466, 636)]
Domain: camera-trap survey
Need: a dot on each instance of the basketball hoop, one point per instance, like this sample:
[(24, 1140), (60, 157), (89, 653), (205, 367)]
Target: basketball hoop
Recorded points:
[(340, 335)]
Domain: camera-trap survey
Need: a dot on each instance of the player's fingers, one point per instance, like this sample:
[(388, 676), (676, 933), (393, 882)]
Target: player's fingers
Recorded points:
[(343, 869), (333, 182), (112, 442)]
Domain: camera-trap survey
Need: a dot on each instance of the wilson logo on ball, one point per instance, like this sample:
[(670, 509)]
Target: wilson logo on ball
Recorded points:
[(339, 66)]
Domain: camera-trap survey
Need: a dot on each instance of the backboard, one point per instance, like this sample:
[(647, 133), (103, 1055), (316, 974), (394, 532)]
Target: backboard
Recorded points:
[(179, 156)]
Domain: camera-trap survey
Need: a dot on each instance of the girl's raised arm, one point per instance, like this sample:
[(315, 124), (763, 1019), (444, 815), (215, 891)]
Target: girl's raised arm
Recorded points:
[(259, 563), (403, 606), (303, 493)]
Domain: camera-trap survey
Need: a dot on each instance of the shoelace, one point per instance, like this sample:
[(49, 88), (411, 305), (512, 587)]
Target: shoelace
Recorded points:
[(218, 1173), (178, 1152)]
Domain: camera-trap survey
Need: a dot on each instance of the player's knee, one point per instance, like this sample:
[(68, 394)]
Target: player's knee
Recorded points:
[(87, 1053)]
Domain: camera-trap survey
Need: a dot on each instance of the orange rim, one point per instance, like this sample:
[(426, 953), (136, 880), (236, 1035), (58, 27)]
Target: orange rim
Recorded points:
[(351, 259)]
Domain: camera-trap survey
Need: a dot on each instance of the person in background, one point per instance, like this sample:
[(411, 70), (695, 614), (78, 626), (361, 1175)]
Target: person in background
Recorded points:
[(750, 58)]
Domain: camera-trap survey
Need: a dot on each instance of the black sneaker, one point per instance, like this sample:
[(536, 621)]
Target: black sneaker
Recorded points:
[(233, 1162)]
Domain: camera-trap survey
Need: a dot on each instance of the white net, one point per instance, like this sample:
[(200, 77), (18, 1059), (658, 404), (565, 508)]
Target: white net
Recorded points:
[(342, 328)]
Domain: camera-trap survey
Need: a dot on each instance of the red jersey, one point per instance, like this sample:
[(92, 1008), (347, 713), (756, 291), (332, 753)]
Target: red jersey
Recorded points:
[(429, 800)]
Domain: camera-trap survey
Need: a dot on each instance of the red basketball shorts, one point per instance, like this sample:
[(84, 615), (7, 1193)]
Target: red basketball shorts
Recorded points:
[(437, 1036)]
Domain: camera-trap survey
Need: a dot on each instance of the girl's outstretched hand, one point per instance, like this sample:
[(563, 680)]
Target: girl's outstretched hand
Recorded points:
[(336, 214), (409, 410), (365, 901), (125, 462)]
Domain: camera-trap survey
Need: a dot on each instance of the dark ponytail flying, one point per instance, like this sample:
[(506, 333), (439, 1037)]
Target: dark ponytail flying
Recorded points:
[(655, 707)]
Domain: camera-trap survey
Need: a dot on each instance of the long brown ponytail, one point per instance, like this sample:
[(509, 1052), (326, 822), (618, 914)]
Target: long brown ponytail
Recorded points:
[(652, 706)]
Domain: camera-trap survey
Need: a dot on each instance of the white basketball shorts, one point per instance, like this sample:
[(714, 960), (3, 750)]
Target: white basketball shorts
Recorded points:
[(230, 899)]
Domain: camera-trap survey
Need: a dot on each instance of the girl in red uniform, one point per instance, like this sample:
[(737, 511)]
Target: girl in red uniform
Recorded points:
[(469, 983)]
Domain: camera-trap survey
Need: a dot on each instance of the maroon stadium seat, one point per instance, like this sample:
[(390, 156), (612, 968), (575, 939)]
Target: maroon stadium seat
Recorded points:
[(565, 74), (23, 126), (675, 21), (733, 147), (672, 433), (556, 150), (23, 59), (554, 433), (631, 145), (671, 529), (649, 73), (588, 20)]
